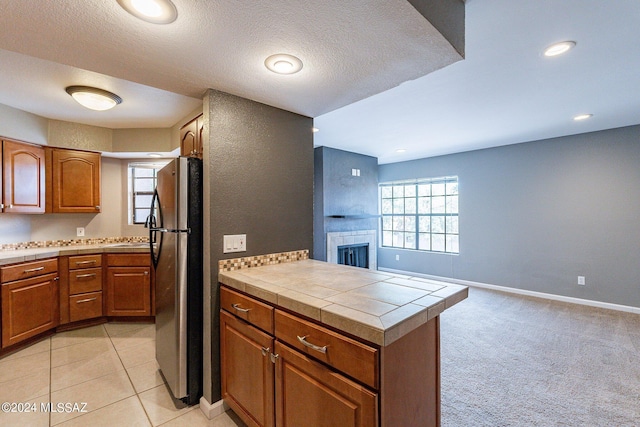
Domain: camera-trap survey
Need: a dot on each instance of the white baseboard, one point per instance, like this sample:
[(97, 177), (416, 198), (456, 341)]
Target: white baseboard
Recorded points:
[(212, 410), (554, 297)]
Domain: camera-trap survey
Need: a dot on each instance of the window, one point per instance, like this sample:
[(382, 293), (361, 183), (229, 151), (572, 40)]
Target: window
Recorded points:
[(421, 215), (142, 183)]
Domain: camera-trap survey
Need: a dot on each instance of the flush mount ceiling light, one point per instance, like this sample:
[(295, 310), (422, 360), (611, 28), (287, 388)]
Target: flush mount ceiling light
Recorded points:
[(559, 48), (401, 150), (153, 11), (581, 117), (283, 63), (94, 98)]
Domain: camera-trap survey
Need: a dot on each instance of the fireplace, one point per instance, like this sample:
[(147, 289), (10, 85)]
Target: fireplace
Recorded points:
[(354, 255), (361, 238)]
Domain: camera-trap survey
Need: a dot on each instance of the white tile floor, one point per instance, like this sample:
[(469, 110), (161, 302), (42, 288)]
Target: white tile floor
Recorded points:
[(109, 367)]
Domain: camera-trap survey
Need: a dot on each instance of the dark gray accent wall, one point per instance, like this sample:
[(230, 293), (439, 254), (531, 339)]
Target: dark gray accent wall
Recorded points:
[(260, 168), (447, 16), (339, 193), (537, 215)]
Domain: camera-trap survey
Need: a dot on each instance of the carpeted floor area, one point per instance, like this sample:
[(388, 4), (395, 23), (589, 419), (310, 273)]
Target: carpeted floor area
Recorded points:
[(511, 360)]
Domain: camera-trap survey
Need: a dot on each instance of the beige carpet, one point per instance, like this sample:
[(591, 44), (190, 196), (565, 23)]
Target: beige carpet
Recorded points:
[(509, 360)]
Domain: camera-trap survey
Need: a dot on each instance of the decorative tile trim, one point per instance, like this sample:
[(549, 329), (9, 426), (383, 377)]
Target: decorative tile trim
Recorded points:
[(260, 260), (71, 242)]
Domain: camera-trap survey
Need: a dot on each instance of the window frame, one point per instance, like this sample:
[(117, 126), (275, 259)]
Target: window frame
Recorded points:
[(404, 225), (131, 168)]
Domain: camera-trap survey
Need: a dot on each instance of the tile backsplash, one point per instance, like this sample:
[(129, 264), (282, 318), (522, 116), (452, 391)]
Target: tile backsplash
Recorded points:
[(71, 242), (260, 260)]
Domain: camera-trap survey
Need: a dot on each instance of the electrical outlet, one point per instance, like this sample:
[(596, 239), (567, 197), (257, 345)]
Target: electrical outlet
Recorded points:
[(397, 257), (581, 281), (80, 231), (234, 243)]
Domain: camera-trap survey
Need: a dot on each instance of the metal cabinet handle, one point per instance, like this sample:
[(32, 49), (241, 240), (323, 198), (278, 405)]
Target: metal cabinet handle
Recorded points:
[(265, 351), (243, 310), (303, 341), (82, 276), (97, 207), (93, 261), (86, 300), (31, 270), (274, 357)]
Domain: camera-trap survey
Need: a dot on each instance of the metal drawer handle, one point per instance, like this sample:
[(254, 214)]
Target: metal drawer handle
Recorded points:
[(86, 300), (237, 307), (93, 261), (82, 276), (303, 341), (265, 351), (31, 270)]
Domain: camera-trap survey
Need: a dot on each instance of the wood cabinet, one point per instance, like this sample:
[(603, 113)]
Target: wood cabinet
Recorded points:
[(85, 287), (22, 173), (128, 285), (267, 381), (29, 300), (72, 181), (191, 138)]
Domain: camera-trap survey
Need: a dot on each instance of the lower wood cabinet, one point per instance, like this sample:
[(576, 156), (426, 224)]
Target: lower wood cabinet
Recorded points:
[(128, 285), (248, 379), (30, 305), (267, 382)]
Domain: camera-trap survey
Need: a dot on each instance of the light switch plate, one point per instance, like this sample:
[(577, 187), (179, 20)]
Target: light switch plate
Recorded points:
[(234, 243)]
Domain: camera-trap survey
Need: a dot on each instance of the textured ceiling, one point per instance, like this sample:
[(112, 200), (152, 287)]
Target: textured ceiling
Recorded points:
[(503, 92), (350, 50)]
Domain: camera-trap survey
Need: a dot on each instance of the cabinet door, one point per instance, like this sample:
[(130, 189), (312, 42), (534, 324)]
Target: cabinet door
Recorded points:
[(312, 395), (23, 178), (74, 181), (191, 138), (29, 307), (128, 291), (247, 371)]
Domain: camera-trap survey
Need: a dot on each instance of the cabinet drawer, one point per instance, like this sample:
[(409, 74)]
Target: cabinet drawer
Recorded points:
[(247, 308), (28, 269), (86, 280), (354, 358), (85, 306), (85, 261), (129, 260)]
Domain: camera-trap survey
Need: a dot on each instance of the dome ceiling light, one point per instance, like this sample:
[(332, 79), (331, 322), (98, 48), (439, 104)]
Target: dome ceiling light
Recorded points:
[(94, 98), (559, 48), (153, 11), (283, 63)]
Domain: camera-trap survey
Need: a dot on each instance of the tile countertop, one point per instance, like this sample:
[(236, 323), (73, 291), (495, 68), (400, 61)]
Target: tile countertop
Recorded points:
[(376, 306), (22, 255)]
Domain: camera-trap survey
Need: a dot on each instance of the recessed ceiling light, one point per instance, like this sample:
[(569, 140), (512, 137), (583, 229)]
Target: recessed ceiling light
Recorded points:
[(582, 117), (154, 11), (559, 48), (94, 98), (314, 130), (401, 150), (283, 63)]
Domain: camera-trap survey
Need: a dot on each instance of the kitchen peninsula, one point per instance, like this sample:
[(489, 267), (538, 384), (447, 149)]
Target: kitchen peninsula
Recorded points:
[(316, 344)]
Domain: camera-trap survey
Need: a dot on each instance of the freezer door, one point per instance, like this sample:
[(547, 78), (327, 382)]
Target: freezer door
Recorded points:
[(171, 329)]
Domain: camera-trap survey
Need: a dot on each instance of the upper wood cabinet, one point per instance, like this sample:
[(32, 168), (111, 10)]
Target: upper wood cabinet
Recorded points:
[(191, 138), (23, 178), (73, 181)]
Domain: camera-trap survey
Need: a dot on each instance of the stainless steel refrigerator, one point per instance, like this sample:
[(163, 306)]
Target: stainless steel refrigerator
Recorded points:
[(175, 234)]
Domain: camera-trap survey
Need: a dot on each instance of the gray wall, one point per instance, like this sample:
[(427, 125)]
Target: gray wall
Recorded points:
[(535, 216), (259, 168), (338, 192)]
